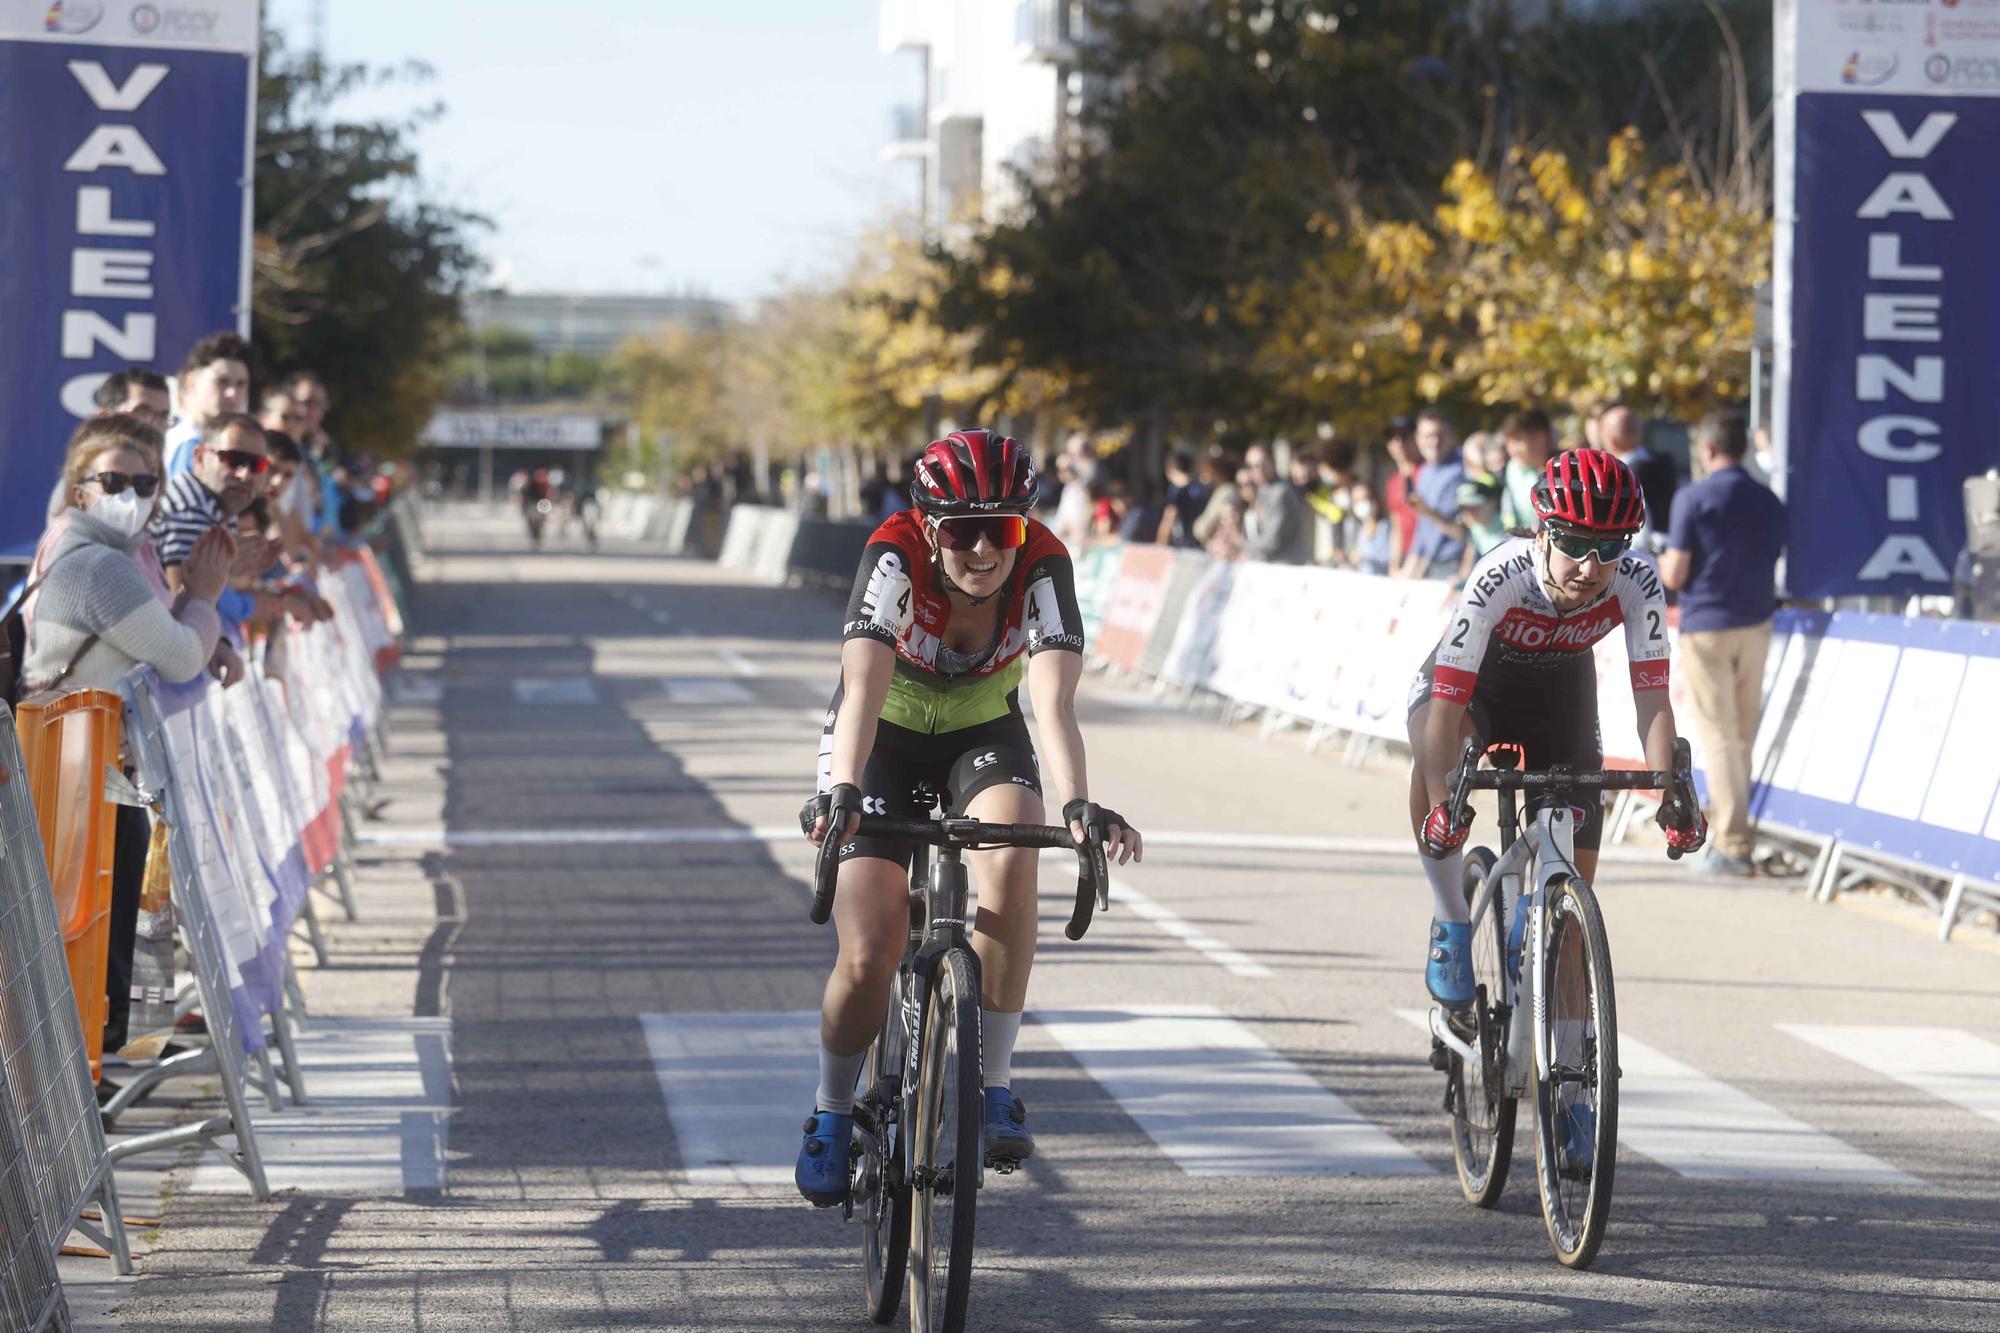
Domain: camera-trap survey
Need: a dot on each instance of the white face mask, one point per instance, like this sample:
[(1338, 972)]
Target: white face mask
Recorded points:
[(125, 512), (1364, 510)]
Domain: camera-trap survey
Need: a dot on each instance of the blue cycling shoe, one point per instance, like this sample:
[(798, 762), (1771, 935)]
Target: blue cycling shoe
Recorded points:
[(822, 1171), (1579, 1124), (1008, 1142), (1448, 965)]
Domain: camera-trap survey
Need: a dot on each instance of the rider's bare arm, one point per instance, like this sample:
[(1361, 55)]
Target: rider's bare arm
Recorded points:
[(866, 668), (1444, 729)]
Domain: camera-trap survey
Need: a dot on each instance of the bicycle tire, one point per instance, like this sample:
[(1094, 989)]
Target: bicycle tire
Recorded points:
[(881, 1196), (950, 1149), (1576, 1198), (1482, 1121)]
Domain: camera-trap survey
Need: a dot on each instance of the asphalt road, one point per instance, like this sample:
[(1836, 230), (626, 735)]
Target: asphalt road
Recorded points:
[(573, 886)]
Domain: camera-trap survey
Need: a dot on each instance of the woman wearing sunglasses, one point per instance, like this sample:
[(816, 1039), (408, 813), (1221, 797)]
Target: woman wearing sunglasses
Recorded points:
[(956, 601), (1515, 665)]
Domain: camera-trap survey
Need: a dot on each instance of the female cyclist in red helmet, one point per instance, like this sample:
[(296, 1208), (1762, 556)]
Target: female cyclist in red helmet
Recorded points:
[(956, 601), (1515, 665)]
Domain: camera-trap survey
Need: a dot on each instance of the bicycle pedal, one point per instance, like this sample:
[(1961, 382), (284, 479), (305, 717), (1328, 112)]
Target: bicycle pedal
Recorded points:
[(1001, 1166)]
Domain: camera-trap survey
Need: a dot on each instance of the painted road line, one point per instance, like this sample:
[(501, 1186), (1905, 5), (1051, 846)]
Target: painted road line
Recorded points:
[(379, 1105), (736, 1087), (705, 692), (1217, 1099), (1704, 1129), (662, 618), (1949, 1064), (1357, 846), (541, 691), (1172, 923), (738, 663)]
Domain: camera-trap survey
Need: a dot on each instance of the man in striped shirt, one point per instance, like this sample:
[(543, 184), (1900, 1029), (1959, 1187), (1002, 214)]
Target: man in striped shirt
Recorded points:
[(230, 464)]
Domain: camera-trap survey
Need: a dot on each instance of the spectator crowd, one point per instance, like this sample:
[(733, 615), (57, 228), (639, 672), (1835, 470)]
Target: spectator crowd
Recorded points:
[(186, 534)]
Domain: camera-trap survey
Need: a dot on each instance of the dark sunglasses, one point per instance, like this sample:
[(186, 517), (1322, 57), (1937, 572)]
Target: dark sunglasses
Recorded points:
[(1003, 532), (1580, 546), (242, 460), (114, 483)]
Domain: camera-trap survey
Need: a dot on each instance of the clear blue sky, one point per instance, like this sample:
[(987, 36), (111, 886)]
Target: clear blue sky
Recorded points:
[(641, 145)]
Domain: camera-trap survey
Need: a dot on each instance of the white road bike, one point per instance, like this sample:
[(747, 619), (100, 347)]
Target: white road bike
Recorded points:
[(1543, 1017)]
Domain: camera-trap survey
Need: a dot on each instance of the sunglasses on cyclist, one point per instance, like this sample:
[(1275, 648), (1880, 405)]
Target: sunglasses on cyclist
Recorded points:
[(1580, 546), (1003, 532), (114, 483), (242, 460)]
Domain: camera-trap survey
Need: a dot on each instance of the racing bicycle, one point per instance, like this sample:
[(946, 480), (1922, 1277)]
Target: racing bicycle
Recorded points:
[(917, 1156), (1543, 1017)]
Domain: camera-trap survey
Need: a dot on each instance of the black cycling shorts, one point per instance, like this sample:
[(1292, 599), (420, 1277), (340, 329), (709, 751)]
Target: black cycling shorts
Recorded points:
[(957, 765), (1557, 724)]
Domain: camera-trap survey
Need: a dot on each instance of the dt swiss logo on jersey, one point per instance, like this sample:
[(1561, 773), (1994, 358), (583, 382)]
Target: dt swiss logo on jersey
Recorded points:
[(1537, 633)]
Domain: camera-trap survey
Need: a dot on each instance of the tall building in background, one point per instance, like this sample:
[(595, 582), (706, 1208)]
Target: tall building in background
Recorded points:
[(997, 90)]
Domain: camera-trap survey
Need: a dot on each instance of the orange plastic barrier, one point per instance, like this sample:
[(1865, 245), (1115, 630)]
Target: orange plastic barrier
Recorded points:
[(66, 742)]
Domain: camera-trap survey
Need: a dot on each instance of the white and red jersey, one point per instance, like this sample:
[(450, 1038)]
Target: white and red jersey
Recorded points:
[(1508, 640)]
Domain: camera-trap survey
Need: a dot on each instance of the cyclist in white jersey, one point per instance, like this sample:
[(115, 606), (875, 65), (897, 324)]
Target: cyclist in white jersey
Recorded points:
[(1515, 666)]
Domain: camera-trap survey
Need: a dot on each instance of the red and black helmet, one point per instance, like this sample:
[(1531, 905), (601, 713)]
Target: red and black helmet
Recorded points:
[(974, 472), (1589, 490)]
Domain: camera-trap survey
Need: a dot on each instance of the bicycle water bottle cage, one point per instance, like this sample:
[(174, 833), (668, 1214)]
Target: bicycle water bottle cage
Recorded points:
[(1506, 754)]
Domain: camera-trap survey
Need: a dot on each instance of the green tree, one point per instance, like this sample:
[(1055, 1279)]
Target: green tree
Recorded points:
[(357, 274)]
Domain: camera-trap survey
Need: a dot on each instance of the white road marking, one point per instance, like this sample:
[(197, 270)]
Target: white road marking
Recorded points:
[(736, 1087), (1704, 1129), (662, 618), (1216, 1098), (542, 691), (379, 1105), (705, 691), (416, 691), (738, 663), (583, 837), (1172, 923), (1950, 1065)]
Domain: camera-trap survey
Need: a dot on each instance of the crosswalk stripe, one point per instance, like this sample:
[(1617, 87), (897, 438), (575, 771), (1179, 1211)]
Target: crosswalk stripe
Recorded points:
[(1704, 1129), (1216, 1098), (1950, 1065), (736, 1087), (377, 1120)]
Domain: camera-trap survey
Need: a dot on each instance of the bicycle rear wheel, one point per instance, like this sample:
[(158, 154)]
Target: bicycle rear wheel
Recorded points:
[(1482, 1114), (949, 1157), (881, 1196), (1576, 1096)]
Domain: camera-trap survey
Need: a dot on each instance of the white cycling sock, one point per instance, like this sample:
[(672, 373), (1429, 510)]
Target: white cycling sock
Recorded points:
[(997, 1033), (836, 1080), (1447, 877)]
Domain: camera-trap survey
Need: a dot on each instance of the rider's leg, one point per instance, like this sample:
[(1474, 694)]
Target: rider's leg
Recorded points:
[(1446, 873), (871, 914), (1004, 927)]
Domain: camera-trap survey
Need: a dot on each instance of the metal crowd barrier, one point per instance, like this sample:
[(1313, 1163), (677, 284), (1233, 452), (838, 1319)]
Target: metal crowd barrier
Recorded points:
[(62, 1165)]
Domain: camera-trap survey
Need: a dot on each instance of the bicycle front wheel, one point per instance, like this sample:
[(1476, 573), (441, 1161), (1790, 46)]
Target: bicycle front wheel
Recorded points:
[(881, 1197), (1576, 1094), (1482, 1114), (949, 1157)]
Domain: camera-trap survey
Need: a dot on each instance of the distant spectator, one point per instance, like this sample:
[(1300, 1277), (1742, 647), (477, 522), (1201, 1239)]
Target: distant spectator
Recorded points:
[(1368, 538), (1530, 442), (1625, 437), (1327, 500), (1493, 455), (1437, 549), (1109, 502), (1187, 496), (1076, 467), (1274, 527), (1145, 513), (1723, 544), (1472, 456), (1478, 506), (1403, 456), (214, 382), (141, 394), (229, 472), (1218, 473)]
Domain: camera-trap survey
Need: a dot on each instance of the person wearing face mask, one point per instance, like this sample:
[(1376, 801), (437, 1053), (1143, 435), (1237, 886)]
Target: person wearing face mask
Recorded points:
[(956, 603), (1370, 537)]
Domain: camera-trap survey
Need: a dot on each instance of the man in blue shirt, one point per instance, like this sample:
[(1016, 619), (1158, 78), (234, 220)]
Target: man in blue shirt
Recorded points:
[(1723, 545), (1435, 551)]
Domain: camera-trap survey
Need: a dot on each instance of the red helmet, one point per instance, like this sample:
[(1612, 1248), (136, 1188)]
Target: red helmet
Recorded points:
[(974, 472), (1591, 491)]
